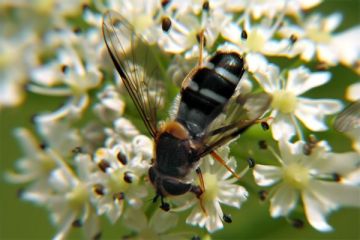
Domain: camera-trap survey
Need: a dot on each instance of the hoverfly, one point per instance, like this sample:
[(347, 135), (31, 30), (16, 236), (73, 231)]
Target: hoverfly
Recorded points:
[(210, 112)]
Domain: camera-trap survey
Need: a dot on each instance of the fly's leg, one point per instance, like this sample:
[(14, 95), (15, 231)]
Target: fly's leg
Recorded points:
[(199, 190)]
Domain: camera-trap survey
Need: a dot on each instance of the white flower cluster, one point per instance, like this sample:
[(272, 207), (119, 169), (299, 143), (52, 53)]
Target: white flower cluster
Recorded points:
[(91, 160)]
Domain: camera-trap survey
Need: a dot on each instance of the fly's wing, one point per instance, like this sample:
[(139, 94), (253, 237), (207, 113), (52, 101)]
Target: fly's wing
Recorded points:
[(137, 65), (349, 118), (240, 113)]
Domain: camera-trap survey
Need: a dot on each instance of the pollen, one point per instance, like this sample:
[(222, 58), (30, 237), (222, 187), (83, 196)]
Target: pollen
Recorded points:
[(211, 187), (255, 40), (296, 175), (116, 181), (284, 101), (318, 35), (78, 196)]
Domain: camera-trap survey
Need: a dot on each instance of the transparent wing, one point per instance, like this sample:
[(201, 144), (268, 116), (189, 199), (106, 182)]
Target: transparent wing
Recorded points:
[(137, 65), (349, 118), (240, 113)]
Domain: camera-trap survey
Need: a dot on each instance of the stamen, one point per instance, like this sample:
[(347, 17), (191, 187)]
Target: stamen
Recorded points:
[(276, 155), (263, 144), (227, 218), (122, 158), (263, 194), (244, 34), (119, 196), (128, 177), (297, 223), (103, 165), (99, 189), (77, 223), (165, 24)]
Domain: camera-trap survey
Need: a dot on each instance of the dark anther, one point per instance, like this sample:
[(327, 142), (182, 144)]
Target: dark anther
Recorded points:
[(206, 6), (196, 237), (263, 144), (127, 177), (297, 223), (122, 158), (244, 34), (322, 66), (43, 146), (227, 218), (251, 162), (164, 3), (336, 177), (97, 236), (64, 68), (33, 118), (293, 38), (77, 30), (77, 150), (165, 24), (263, 195), (307, 149), (265, 126), (85, 7), (198, 39), (20, 192), (77, 223), (103, 165), (312, 139), (99, 189), (119, 196)]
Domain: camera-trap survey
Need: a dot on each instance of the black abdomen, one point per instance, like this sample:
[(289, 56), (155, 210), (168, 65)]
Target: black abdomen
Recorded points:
[(209, 90)]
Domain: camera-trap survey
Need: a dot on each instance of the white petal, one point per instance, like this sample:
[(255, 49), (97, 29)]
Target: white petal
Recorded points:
[(332, 22), (290, 152), (312, 112), (347, 45), (232, 32), (257, 63), (282, 127), (301, 80), (162, 221), (327, 54), (335, 194), (268, 78), (353, 92), (233, 195), (266, 175), (283, 201), (306, 48), (315, 212)]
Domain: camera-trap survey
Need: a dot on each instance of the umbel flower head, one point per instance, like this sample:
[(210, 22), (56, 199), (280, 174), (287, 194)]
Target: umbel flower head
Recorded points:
[(88, 158), (314, 174)]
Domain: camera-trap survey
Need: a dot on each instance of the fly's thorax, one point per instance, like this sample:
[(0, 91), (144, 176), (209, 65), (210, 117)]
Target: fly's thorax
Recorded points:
[(175, 156)]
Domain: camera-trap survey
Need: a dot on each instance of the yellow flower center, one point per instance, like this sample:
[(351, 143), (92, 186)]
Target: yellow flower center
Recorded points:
[(211, 187), (142, 22), (255, 40), (284, 101), (78, 196), (296, 175), (318, 35), (116, 182)]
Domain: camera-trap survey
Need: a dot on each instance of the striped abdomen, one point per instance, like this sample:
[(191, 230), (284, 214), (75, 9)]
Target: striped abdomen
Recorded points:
[(208, 90)]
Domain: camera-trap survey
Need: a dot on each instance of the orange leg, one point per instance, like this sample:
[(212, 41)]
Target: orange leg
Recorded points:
[(222, 162)]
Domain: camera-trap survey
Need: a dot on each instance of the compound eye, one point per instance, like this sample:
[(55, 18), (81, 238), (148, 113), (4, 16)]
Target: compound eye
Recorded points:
[(175, 187)]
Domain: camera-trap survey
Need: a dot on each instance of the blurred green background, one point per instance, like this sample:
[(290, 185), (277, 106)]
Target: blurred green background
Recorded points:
[(23, 220)]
